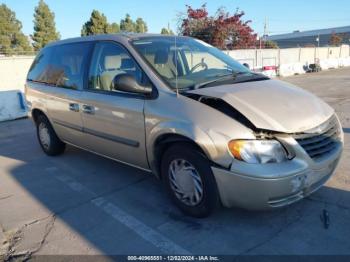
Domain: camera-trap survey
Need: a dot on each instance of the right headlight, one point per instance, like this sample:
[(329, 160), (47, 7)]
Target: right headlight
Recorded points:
[(258, 151)]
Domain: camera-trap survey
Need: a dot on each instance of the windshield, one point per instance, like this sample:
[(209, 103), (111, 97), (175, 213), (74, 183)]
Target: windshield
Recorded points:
[(193, 61)]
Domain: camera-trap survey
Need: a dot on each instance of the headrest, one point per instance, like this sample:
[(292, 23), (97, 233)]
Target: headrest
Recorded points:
[(67, 71), (112, 62), (161, 57), (127, 63)]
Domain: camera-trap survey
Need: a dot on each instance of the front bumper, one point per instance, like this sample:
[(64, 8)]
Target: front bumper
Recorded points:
[(268, 186)]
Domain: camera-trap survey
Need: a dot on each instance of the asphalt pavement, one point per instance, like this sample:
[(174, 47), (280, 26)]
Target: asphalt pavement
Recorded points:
[(81, 203)]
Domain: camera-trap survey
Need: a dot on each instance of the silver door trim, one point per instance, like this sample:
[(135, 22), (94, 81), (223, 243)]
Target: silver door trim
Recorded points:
[(111, 158), (67, 125), (117, 139)]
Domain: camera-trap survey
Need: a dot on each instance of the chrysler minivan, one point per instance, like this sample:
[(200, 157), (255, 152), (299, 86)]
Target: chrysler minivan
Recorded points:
[(212, 130)]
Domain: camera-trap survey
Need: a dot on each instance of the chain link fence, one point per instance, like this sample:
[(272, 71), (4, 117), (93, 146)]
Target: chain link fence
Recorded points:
[(12, 53)]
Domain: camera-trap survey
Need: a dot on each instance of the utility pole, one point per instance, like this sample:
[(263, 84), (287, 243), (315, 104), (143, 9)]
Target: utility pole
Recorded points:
[(266, 29), (318, 40), (318, 49)]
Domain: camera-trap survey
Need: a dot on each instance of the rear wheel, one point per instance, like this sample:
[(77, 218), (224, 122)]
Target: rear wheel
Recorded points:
[(48, 140), (189, 180)]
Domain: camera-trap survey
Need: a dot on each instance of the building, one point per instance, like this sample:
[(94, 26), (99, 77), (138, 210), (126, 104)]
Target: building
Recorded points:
[(310, 38)]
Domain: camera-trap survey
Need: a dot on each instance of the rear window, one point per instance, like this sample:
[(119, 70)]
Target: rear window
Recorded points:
[(62, 65)]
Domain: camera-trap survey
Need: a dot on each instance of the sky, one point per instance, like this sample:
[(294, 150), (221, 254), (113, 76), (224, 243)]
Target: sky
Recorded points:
[(282, 16)]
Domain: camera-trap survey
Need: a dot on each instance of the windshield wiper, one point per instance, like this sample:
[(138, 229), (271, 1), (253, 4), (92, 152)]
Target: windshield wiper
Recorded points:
[(257, 77), (220, 78)]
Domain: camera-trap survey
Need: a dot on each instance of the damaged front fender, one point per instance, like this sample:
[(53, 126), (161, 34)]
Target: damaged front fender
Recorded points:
[(213, 144)]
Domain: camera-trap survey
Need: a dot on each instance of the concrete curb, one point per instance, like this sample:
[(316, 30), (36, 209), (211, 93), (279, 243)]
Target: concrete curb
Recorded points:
[(13, 105)]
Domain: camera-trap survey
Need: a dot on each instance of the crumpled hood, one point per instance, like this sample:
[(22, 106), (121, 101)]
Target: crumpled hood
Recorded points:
[(273, 105)]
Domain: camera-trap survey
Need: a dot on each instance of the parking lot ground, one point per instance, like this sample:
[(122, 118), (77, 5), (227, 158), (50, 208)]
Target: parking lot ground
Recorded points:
[(80, 203)]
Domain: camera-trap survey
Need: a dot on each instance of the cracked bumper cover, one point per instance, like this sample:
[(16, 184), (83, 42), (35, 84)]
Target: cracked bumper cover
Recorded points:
[(270, 186)]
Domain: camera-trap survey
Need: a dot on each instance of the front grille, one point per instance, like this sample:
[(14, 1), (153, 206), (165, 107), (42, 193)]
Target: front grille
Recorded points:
[(322, 142)]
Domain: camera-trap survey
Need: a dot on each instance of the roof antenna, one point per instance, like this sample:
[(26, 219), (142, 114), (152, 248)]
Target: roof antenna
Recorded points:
[(176, 85)]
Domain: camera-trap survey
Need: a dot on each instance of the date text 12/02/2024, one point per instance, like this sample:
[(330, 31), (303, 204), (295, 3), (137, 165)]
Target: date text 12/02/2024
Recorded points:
[(172, 258)]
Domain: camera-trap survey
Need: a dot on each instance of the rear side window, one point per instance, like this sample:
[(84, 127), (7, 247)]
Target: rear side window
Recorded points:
[(38, 70), (64, 67)]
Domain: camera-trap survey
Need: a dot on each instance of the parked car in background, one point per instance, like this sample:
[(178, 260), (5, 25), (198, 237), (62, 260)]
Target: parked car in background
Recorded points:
[(211, 129)]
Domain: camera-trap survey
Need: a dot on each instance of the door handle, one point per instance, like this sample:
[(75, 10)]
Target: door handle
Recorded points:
[(88, 109), (74, 107)]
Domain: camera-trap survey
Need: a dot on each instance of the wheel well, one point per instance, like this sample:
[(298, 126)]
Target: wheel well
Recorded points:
[(165, 141), (36, 113)]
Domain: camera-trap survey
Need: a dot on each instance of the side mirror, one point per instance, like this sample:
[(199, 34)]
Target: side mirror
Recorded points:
[(128, 83), (246, 65)]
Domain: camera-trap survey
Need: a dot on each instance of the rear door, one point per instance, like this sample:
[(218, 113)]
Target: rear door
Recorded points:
[(62, 82), (113, 120)]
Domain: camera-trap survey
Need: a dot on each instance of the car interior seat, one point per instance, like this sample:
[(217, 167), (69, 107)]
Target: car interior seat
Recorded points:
[(111, 68), (162, 65)]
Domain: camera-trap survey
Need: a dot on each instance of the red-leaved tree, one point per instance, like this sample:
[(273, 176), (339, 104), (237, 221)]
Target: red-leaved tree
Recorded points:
[(224, 30), (336, 39)]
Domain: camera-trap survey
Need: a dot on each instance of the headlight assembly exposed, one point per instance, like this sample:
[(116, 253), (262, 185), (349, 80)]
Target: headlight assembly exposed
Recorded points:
[(257, 151)]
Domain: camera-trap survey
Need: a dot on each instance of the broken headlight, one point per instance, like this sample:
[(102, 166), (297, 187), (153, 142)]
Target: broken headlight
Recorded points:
[(257, 151)]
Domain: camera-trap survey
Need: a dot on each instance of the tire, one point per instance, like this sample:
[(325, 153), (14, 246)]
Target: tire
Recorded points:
[(48, 140), (201, 206)]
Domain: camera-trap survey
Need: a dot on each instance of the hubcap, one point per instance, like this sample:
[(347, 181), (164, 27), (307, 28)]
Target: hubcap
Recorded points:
[(44, 135), (186, 182)]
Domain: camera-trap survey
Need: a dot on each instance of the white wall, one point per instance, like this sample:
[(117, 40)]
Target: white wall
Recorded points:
[(294, 59), (13, 73), (244, 56)]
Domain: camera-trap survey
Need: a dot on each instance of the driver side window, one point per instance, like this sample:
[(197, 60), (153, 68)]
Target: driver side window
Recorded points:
[(108, 61)]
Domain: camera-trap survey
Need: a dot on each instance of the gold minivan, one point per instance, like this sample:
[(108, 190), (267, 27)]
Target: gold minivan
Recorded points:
[(211, 129)]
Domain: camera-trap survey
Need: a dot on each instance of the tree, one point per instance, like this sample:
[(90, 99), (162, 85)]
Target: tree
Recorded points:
[(222, 30), (270, 44), (336, 39), (114, 28), (11, 37), (127, 24), (140, 26), (44, 26), (98, 24), (166, 31)]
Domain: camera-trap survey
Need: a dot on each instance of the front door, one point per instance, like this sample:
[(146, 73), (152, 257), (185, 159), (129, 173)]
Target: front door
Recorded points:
[(114, 121)]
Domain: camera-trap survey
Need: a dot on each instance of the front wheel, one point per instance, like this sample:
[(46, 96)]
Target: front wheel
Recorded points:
[(189, 180)]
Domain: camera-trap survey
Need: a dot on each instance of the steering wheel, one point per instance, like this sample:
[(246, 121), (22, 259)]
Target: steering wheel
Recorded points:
[(202, 64)]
